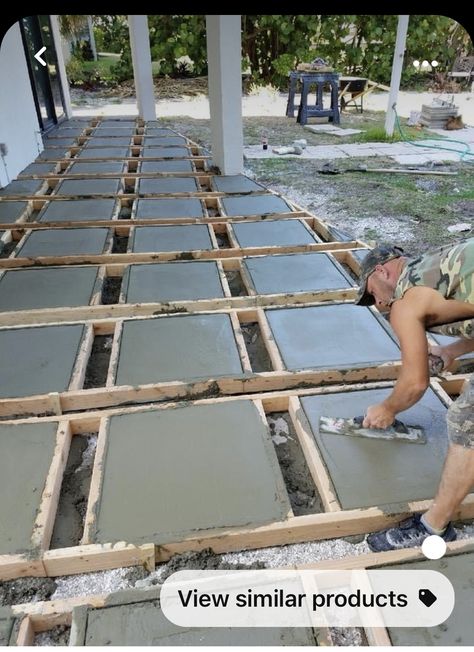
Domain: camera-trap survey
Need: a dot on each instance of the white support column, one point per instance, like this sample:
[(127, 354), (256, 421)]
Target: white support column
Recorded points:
[(397, 66), (224, 54), (92, 37), (61, 66), (142, 72)]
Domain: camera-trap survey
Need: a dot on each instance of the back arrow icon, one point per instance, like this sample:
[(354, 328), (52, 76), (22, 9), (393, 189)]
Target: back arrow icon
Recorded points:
[(38, 56)]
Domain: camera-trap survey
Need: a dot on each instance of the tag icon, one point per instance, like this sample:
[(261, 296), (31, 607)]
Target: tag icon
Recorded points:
[(427, 597)]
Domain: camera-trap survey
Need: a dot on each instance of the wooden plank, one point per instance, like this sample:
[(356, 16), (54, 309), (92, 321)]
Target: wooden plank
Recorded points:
[(98, 557), (44, 522), (315, 462), (26, 633), (223, 279), (269, 341), (83, 355), (14, 566), (239, 340), (114, 354), (96, 483)]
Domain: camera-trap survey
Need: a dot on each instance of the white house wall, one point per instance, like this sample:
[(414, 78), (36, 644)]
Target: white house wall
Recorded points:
[(19, 128)]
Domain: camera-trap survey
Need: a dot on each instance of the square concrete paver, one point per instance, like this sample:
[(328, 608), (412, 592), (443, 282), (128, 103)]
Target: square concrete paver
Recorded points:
[(235, 183), (458, 629), (185, 347), (66, 130), (22, 187), (143, 623), (165, 152), (163, 141), (373, 472), (186, 237), (108, 141), (95, 167), (11, 211), (113, 132), (26, 452), (295, 273), (38, 168), (331, 336), (60, 142), (168, 185), (168, 208), (153, 130), (64, 242), (55, 287), (104, 152), (171, 282), (255, 205), (214, 464), (166, 166), (7, 622), (88, 187), (77, 210), (53, 154), (37, 360), (273, 233)]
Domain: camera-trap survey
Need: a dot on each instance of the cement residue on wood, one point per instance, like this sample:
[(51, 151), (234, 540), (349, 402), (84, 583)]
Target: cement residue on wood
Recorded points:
[(111, 290), (303, 496), (98, 365), (69, 523), (258, 354), (26, 589), (59, 635)]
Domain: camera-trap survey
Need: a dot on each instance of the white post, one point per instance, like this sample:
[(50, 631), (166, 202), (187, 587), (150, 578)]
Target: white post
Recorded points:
[(92, 37), (224, 55), (142, 72), (61, 65), (397, 66)]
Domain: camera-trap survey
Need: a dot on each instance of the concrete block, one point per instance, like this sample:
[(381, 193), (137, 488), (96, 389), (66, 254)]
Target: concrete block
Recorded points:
[(186, 237), (108, 141), (168, 185), (370, 472), (235, 183), (53, 154), (38, 168), (104, 152), (331, 336), (26, 452), (11, 211), (55, 287), (116, 122), (168, 208), (37, 360), (152, 130), (166, 152), (113, 132), (22, 187), (96, 167), (166, 166), (278, 233), (183, 347), (59, 142), (221, 455), (63, 242), (295, 273), (88, 187), (163, 141), (77, 210), (66, 130), (254, 205)]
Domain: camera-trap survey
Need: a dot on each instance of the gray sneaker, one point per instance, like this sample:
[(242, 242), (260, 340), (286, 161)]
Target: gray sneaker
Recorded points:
[(408, 534)]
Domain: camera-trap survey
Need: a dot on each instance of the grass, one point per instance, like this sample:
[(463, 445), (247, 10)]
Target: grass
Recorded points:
[(102, 64)]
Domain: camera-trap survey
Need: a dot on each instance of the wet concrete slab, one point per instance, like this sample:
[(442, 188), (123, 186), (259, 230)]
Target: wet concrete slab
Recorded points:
[(116, 122), (22, 187), (163, 141), (183, 237), (166, 208), (26, 452), (458, 629), (273, 233), (295, 273), (77, 210), (319, 337), (154, 130), (104, 152), (185, 347), (114, 132), (171, 184), (7, 620), (166, 166), (37, 360), (96, 167), (214, 464), (108, 141), (254, 205), (88, 187), (39, 168), (53, 154), (387, 474), (69, 131), (25, 289), (11, 211), (171, 282), (235, 183), (60, 142), (166, 152), (64, 242), (143, 623)]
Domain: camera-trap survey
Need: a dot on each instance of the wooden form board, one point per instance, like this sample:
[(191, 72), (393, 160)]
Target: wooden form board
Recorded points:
[(333, 522), (248, 381)]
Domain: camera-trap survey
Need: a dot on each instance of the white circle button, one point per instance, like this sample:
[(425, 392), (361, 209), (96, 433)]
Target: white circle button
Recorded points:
[(434, 547)]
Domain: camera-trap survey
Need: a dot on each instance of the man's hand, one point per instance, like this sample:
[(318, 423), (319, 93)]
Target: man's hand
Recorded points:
[(378, 416), (443, 353)]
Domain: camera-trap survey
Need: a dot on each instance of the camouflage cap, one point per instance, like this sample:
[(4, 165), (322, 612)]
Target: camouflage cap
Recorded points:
[(377, 256)]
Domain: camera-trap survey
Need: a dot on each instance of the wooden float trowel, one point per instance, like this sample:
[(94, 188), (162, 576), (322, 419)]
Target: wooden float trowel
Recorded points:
[(353, 427)]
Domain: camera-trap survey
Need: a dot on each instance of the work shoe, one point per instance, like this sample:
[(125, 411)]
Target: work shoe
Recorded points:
[(408, 534)]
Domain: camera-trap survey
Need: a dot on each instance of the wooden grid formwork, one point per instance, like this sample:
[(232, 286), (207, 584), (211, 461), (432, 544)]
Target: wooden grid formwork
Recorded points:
[(248, 381), (40, 617), (88, 557)]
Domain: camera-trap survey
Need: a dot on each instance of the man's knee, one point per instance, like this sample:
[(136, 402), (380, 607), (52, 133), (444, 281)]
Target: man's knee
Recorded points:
[(460, 418)]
